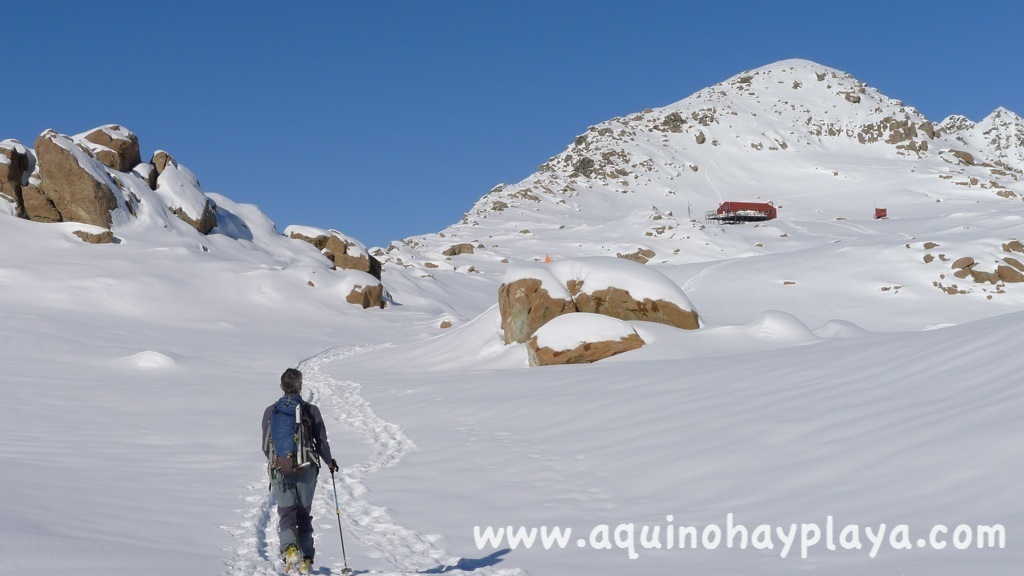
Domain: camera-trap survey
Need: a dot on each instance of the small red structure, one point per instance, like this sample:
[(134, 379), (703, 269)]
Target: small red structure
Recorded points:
[(881, 214), (733, 212)]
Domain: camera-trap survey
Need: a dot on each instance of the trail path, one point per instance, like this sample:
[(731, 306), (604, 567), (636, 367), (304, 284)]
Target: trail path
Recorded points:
[(366, 525)]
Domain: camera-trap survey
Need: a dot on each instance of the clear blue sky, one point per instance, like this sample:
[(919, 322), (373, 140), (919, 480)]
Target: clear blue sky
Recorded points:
[(386, 119)]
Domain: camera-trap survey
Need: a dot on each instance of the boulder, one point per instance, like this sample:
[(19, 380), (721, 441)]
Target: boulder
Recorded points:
[(116, 147), (348, 255), (581, 338), (641, 256), (160, 161), (368, 296), (74, 191), (1015, 263), (105, 237), (179, 189), (533, 295), (619, 303), (961, 263), (147, 172), (207, 220), (1009, 274), (455, 250), (344, 252), (525, 305)]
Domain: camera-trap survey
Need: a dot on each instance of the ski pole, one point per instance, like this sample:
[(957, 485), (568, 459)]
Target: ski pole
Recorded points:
[(337, 509)]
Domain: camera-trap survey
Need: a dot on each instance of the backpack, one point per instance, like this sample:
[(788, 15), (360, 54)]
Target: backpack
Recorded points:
[(289, 438)]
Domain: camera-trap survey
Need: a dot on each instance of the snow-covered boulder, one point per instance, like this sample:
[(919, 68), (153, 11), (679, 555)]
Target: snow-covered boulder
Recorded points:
[(580, 338), (457, 249), (344, 251), (526, 303), (363, 290), (114, 146), (532, 295), (179, 189), (626, 290), (73, 185)]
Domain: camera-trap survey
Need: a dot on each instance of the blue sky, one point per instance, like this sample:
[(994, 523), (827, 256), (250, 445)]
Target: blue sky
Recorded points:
[(388, 119)]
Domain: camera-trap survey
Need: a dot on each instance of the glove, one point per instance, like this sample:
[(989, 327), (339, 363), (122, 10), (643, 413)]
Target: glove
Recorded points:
[(333, 466)]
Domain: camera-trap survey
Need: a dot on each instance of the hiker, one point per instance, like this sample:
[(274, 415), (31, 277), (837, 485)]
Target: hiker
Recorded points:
[(292, 447)]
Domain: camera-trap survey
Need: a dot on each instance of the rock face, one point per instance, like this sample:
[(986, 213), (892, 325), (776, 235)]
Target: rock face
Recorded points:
[(580, 339), (116, 147), (69, 190), (14, 167), (525, 306)]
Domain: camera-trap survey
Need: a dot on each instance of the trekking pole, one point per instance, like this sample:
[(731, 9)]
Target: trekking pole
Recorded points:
[(337, 509)]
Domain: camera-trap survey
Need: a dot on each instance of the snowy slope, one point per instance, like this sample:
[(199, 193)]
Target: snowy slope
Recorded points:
[(834, 374)]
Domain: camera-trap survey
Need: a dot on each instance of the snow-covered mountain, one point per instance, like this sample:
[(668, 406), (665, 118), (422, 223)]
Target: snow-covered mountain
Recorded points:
[(845, 367)]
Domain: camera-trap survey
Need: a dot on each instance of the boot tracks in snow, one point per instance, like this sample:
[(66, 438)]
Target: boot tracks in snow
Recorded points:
[(408, 551)]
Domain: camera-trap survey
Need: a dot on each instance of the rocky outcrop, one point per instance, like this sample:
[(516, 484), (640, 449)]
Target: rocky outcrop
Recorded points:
[(68, 190), (571, 339), (342, 251), (116, 147), (525, 305)]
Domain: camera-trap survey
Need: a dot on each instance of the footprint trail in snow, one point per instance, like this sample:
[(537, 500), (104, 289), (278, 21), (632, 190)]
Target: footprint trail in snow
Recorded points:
[(369, 525)]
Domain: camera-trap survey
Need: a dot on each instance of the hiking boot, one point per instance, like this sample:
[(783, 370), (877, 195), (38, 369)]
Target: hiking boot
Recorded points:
[(291, 556), (306, 566)]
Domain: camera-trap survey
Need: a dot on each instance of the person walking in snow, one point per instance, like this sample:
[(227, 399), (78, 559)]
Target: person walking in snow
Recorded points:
[(294, 439)]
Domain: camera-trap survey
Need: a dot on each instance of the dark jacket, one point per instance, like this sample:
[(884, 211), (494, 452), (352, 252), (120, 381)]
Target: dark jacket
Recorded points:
[(318, 430)]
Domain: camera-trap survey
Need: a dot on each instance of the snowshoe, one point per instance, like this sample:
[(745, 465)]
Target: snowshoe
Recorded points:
[(306, 565), (292, 557)]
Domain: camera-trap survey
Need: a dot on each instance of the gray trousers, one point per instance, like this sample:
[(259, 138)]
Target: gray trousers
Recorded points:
[(294, 495)]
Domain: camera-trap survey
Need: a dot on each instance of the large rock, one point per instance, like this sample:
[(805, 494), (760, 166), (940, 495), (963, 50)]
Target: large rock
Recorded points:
[(619, 303), (525, 305), (160, 161), (457, 249), (344, 252), (116, 147), (363, 290), (347, 255), (1009, 274), (581, 338), (533, 295), (76, 193)]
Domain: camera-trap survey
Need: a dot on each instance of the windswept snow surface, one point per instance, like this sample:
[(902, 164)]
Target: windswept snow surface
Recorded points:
[(834, 375)]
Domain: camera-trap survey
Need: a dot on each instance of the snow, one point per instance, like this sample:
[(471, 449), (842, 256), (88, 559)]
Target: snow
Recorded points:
[(832, 375), (571, 331)]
